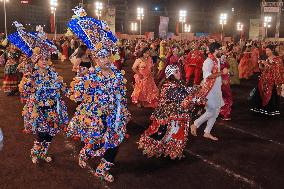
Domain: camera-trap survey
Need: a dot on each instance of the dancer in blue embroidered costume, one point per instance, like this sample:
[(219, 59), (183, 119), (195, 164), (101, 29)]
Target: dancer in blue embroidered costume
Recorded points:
[(45, 114), (100, 120), (24, 41)]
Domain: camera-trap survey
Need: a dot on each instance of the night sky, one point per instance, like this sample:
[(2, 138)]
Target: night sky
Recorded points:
[(189, 4), (244, 11), (209, 4), (171, 7)]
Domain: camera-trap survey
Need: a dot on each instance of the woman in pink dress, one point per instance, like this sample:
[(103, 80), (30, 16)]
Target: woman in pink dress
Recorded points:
[(145, 90)]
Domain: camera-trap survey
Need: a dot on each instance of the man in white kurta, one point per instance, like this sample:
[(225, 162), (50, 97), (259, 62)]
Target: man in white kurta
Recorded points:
[(214, 97)]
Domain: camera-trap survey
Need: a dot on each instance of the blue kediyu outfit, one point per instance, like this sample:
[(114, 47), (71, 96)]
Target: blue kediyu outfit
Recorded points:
[(100, 120), (45, 113)]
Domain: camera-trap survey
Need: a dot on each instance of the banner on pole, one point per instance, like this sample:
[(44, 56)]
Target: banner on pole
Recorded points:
[(200, 34), (163, 27), (149, 35), (271, 9), (254, 29), (177, 28), (52, 24), (109, 18), (25, 1)]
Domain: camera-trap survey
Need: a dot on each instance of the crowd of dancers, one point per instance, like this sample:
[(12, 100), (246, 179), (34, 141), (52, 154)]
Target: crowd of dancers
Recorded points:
[(163, 71)]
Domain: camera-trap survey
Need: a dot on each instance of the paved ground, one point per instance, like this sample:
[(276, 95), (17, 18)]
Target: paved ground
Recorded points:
[(250, 153)]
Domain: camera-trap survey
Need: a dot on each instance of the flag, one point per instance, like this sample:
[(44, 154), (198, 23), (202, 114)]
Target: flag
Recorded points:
[(163, 27), (177, 28), (52, 27)]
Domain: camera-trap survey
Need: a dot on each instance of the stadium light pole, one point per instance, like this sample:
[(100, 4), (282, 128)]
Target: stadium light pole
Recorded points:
[(53, 5), (182, 18), (5, 16), (133, 26), (187, 28), (99, 8), (223, 21), (240, 28), (267, 24), (140, 16)]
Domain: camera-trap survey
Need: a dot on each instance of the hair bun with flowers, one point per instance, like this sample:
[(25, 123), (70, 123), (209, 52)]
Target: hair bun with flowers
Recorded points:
[(94, 33)]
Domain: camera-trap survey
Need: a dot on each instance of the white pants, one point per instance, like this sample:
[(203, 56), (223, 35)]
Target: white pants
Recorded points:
[(210, 116)]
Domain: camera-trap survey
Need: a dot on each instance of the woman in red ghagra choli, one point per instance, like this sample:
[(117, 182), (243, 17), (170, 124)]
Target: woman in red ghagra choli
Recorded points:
[(168, 133), (145, 92), (254, 59), (65, 47), (119, 62), (225, 111), (11, 76), (245, 66), (265, 98)]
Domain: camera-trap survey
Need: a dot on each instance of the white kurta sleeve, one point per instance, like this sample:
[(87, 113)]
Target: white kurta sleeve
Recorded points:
[(207, 68)]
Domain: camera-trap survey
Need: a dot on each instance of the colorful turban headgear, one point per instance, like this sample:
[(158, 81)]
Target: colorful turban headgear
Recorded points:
[(94, 33), (34, 44)]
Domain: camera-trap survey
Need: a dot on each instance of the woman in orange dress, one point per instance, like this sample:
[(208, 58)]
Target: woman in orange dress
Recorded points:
[(145, 91)]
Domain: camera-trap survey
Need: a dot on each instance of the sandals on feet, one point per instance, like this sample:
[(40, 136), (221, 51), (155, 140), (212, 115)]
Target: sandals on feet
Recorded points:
[(34, 160), (82, 163), (106, 177), (209, 136), (193, 129), (48, 159)]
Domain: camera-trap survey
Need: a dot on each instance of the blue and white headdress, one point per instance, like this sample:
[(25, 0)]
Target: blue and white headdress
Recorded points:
[(94, 33), (33, 44), (21, 39)]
